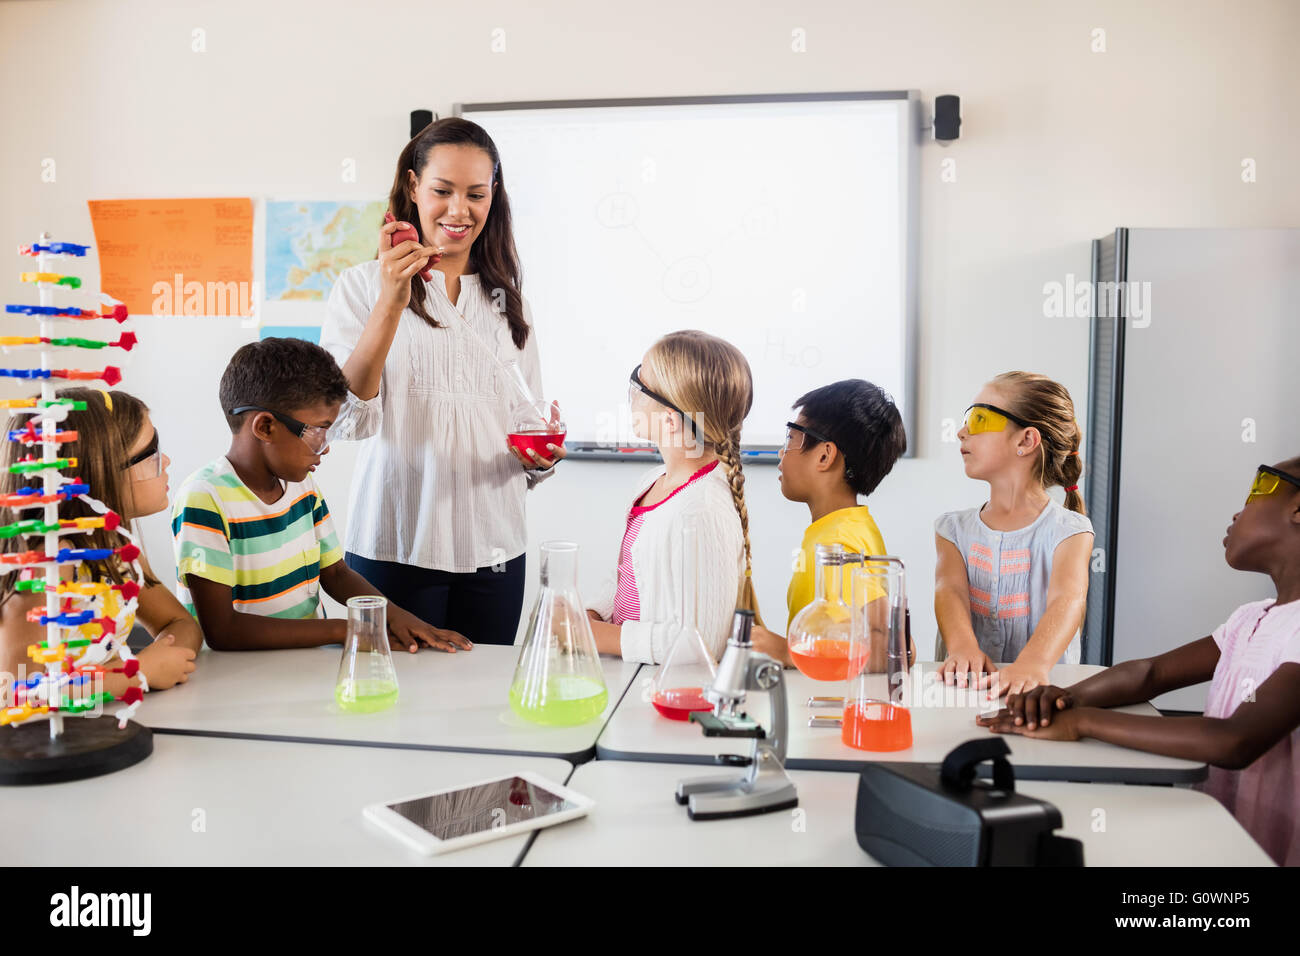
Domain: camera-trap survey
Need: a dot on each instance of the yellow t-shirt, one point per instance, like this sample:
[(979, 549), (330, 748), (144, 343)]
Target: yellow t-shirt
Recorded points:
[(855, 529)]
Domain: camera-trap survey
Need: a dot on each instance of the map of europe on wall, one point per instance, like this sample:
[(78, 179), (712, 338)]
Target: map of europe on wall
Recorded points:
[(308, 244)]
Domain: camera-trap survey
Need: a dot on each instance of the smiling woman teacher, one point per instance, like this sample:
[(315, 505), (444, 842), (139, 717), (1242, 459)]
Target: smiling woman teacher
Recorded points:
[(436, 519)]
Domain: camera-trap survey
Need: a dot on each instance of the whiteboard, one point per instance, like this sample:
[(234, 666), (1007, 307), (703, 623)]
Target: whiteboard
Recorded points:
[(784, 224)]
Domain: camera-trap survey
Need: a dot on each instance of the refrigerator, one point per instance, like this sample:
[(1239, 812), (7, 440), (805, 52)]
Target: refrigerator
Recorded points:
[(1194, 381)]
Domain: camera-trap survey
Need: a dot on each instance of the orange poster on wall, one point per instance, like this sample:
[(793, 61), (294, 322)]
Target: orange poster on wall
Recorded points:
[(176, 256)]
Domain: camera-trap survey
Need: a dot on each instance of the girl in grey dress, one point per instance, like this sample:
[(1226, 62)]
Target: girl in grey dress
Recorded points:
[(1011, 579)]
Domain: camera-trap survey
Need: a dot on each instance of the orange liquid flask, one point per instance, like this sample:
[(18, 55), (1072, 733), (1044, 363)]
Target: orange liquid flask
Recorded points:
[(876, 725), (876, 717), (821, 658), (819, 634)]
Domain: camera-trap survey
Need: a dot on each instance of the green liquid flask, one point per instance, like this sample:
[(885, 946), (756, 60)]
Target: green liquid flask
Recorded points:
[(367, 681), (558, 679)]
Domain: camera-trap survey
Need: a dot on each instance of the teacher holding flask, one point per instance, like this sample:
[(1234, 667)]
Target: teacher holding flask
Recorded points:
[(434, 337)]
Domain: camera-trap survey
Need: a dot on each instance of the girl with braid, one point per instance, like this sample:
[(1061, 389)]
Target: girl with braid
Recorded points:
[(689, 396), (1011, 579)]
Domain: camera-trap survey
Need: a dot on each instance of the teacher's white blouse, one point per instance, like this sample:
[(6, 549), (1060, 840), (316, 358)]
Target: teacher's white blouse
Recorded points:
[(435, 485)]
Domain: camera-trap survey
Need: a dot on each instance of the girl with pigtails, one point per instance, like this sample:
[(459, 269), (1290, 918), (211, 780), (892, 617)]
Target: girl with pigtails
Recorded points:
[(1011, 577), (689, 396)]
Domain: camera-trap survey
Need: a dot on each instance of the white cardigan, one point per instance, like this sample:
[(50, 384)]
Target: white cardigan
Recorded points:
[(656, 562)]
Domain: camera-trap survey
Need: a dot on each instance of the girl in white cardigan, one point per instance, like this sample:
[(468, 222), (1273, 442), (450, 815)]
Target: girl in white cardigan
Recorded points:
[(689, 396)]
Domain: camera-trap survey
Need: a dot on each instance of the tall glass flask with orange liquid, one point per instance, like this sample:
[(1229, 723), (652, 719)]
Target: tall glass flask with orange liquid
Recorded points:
[(688, 669), (876, 699), (820, 633)]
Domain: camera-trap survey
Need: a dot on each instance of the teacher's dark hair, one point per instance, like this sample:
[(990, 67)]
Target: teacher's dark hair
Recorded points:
[(493, 254)]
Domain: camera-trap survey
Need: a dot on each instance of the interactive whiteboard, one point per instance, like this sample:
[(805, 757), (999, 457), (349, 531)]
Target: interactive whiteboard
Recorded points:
[(785, 224)]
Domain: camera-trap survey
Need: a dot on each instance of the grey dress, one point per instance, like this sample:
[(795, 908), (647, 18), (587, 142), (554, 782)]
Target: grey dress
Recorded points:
[(1008, 573)]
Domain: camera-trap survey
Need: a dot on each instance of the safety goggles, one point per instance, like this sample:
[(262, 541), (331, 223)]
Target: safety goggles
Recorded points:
[(804, 432), (636, 385), (148, 463), (316, 437), (989, 418), (1267, 481)]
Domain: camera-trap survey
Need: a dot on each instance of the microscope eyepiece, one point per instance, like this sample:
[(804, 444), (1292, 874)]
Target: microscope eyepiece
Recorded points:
[(741, 625)]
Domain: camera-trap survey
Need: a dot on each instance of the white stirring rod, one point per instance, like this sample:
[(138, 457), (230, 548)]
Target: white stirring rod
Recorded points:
[(513, 374)]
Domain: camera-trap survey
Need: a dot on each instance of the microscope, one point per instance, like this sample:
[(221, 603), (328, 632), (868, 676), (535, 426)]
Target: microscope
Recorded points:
[(765, 787)]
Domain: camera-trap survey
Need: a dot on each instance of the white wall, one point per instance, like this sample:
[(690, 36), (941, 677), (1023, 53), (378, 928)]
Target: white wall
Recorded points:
[(1060, 144)]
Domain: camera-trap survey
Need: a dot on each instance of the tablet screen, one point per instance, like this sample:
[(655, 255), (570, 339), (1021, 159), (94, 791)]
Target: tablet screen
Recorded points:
[(500, 803)]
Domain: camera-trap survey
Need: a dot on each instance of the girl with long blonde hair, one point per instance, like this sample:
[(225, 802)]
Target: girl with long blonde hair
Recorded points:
[(689, 396)]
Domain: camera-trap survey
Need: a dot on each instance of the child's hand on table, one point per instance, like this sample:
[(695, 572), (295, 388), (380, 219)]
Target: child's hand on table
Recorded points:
[(1033, 709), (1019, 678), (957, 665), (1065, 726), (406, 632), (772, 644), (165, 664)]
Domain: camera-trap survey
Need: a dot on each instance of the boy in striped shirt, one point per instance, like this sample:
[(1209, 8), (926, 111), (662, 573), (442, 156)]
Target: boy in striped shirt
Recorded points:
[(253, 537)]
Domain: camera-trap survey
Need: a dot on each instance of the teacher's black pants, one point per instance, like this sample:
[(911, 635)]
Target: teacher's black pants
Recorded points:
[(484, 605)]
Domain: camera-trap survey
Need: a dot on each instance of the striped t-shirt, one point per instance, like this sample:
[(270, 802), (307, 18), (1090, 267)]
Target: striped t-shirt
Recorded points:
[(270, 556)]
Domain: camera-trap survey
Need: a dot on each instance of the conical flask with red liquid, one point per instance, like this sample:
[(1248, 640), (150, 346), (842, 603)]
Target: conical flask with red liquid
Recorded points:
[(689, 668), (819, 634)]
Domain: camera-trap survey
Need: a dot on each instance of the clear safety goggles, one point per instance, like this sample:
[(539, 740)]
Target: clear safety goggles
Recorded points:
[(148, 463), (316, 437), (793, 428)]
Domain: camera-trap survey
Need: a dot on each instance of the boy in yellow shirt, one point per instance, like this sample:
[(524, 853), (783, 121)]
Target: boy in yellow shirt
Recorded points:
[(843, 442)]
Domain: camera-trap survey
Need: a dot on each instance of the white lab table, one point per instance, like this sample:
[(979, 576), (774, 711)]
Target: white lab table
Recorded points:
[(455, 702), (208, 801), (637, 822), (943, 719)]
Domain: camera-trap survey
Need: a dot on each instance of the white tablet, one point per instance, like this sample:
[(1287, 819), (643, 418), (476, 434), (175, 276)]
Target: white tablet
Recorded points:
[(462, 816)]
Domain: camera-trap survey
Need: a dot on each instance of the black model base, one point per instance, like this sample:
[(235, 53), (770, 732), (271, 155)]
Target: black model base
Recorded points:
[(88, 747)]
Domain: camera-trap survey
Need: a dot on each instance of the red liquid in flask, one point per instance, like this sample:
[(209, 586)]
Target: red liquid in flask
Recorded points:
[(677, 704), (876, 725), (537, 441), (822, 658)]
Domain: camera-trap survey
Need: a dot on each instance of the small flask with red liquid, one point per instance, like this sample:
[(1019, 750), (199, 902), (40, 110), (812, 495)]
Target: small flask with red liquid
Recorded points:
[(689, 669), (534, 424)]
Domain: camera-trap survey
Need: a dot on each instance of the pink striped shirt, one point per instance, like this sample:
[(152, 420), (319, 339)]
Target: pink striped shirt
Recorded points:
[(627, 601)]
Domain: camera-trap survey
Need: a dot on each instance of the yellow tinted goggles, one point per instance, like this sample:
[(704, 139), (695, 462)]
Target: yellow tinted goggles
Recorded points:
[(989, 418), (1267, 481)]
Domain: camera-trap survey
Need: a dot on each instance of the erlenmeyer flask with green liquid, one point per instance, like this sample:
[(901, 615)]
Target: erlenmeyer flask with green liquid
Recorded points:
[(367, 681), (558, 679)]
